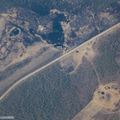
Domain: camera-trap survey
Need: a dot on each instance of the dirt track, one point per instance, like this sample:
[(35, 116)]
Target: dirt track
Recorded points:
[(115, 27)]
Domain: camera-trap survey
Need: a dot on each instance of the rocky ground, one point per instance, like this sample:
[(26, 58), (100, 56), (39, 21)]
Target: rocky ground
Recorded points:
[(34, 33), (24, 29)]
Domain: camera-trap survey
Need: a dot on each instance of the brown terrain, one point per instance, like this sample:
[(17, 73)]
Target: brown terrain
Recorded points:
[(63, 65)]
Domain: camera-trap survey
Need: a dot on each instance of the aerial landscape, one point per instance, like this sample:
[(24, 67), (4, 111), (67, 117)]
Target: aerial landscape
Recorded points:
[(60, 60)]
